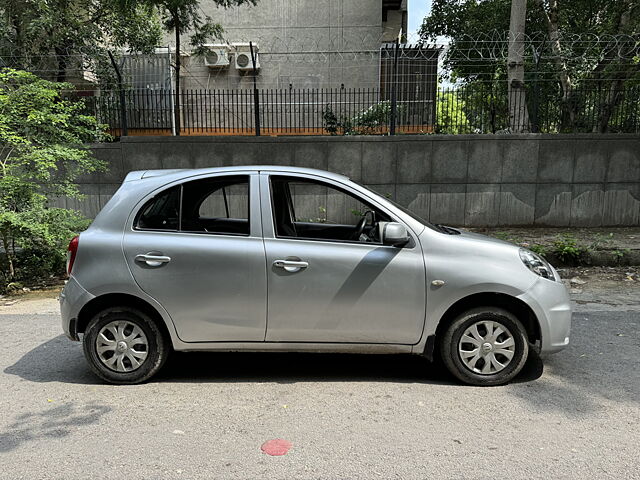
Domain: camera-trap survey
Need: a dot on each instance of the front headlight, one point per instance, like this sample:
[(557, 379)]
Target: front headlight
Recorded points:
[(537, 264)]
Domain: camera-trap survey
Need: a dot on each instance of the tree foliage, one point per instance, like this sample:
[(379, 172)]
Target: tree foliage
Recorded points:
[(464, 22), (450, 114), (42, 152), (68, 33), (555, 68)]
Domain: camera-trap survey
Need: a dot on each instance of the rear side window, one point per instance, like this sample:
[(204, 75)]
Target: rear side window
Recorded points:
[(210, 205), (216, 205), (161, 212)]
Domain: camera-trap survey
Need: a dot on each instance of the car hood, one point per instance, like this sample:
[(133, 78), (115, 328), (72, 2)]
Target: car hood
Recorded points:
[(477, 237), (464, 243)]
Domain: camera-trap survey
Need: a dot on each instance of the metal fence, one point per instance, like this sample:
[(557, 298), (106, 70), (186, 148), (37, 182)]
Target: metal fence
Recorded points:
[(279, 112), (475, 108)]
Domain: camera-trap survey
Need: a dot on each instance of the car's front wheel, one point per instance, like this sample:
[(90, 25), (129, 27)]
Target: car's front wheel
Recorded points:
[(485, 346), (124, 345)]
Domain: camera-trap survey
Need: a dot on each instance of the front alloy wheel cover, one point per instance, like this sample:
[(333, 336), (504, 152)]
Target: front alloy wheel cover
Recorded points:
[(486, 347)]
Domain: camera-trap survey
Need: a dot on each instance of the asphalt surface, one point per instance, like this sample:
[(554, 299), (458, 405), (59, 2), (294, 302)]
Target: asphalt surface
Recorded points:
[(207, 415)]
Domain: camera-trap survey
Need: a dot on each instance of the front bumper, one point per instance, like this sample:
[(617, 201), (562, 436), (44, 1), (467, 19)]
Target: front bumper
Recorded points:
[(72, 298), (550, 302)]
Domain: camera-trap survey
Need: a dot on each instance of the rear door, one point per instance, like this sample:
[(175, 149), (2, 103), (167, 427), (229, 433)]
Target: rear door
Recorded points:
[(197, 249)]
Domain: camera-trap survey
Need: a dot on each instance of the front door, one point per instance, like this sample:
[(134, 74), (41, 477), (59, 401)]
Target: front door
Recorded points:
[(329, 277), (205, 262)]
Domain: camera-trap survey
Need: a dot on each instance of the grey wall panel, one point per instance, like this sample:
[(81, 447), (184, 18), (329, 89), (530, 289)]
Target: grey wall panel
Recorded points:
[(474, 180)]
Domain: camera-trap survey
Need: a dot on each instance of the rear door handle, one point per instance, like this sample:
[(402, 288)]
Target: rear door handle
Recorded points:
[(290, 265), (153, 260)]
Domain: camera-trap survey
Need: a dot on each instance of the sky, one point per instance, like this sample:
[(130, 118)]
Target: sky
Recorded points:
[(418, 9)]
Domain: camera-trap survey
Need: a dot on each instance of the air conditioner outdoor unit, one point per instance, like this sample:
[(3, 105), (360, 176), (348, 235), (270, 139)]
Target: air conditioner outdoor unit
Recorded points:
[(218, 56), (243, 56)]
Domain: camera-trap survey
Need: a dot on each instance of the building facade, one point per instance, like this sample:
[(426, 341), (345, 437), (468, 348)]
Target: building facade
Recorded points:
[(299, 44)]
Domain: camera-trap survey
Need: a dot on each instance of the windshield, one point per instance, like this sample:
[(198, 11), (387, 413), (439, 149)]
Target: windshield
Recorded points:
[(405, 210)]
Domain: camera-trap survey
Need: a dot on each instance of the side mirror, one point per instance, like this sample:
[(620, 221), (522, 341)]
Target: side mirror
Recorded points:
[(393, 233)]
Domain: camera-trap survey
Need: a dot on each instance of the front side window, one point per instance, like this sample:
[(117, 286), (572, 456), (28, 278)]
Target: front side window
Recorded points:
[(210, 205), (309, 209)]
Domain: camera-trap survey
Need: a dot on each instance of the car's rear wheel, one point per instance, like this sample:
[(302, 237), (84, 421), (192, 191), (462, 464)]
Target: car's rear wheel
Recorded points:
[(485, 346), (124, 345)]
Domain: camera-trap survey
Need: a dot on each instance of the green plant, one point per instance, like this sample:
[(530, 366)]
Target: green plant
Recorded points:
[(330, 120), (508, 237), (42, 151), (539, 249), (600, 239), (450, 114), (618, 255), (367, 122), (568, 250)]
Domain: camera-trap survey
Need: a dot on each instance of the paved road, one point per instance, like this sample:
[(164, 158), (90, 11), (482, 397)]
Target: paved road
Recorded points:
[(346, 416)]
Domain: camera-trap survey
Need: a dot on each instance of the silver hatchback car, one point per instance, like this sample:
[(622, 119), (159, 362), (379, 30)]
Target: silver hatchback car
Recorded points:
[(293, 259)]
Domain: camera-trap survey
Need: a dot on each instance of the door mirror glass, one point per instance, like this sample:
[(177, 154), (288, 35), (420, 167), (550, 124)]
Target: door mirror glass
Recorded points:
[(394, 234)]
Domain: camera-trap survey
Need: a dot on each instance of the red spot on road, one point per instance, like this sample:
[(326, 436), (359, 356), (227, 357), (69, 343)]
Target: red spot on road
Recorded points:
[(276, 447)]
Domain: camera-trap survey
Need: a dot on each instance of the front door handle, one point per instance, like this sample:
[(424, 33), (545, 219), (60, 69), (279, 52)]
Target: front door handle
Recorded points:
[(290, 265), (153, 260)]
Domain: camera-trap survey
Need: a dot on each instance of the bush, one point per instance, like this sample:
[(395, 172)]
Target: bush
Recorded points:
[(42, 152), (567, 249), (370, 121)]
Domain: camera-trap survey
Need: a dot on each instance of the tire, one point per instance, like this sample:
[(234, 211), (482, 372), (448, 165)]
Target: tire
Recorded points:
[(145, 344), (506, 354)]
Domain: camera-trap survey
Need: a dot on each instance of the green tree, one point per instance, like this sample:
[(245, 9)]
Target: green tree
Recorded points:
[(450, 114), (477, 50), (186, 16), (42, 152), (53, 37)]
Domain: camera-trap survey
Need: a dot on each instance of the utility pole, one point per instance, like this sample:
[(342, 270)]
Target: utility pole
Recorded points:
[(176, 103), (518, 113), (256, 96), (394, 86)]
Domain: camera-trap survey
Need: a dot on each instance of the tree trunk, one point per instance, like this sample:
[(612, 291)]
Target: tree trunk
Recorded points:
[(176, 112), (518, 112), (616, 90), (568, 106), (9, 255), (62, 64), (606, 109)]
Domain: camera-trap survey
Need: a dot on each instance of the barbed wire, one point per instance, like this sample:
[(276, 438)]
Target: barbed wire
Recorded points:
[(346, 52), (574, 47)]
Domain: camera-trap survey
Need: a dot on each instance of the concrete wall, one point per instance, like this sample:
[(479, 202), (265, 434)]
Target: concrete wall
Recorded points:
[(559, 180)]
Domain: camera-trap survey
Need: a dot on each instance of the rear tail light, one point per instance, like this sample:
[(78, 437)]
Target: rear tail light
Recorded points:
[(71, 253)]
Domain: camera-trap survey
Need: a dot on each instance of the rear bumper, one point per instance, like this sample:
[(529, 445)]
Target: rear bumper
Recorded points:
[(550, 302), (72, 298)]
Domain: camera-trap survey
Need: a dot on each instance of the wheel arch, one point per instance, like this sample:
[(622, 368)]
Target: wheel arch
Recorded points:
[(517, 307), (102, 302)]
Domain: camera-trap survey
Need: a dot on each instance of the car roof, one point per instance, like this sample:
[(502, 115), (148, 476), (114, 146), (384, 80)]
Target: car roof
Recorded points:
[(187, 172)]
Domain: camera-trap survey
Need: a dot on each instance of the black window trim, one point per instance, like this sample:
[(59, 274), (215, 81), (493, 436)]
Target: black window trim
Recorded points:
[(336, 187), (192, 232)]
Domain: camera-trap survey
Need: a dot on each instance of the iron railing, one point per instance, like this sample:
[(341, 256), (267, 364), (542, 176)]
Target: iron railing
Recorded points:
[(474, 108)]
